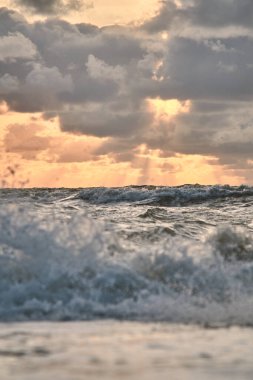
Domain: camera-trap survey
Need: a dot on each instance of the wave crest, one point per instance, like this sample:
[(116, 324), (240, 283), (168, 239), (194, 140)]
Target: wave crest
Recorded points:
[(232, 243), (77, 269), (163, 196)]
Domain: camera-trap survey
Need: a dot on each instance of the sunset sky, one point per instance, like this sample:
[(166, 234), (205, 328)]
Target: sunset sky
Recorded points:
[(114, 93)]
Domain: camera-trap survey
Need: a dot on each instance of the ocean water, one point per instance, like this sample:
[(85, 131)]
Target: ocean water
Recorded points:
[(133, 282)]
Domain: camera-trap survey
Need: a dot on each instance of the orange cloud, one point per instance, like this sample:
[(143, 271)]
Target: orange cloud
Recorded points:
[(44, 156)]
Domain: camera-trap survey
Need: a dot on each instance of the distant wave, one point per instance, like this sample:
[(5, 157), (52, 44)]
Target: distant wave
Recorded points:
[(163, 196), (75, 269)]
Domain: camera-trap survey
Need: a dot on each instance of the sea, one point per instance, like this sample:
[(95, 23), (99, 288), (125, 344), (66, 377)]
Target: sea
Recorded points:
[(138, 282)]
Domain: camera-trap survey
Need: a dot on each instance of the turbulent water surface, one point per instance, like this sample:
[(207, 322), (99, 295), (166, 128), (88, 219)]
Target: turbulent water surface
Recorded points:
[(174, 254), (154, 282)]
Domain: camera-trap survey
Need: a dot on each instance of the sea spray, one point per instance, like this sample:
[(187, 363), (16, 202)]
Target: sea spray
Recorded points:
[(78, 268)]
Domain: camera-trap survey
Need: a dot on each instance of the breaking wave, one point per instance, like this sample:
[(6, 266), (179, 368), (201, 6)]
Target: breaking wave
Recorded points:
[(164, 196), (77, 269)]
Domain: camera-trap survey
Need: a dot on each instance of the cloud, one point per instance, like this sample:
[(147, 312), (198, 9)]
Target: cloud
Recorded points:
[(39, 90), (209, 69), (223, 130), (221, 13), (8, 84), (98, 69), (32, 142), (16, 46), (100, 82), (106, 121), (201, 13), (25, 140), (10, 21), (49, 79), (48, 7)]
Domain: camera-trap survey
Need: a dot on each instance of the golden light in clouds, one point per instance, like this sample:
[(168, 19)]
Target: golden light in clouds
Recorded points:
[(121, 12), (181, 169), (3, 108), (166, 109), (147, 168), (165, 36), (48, 157), (105, 12)]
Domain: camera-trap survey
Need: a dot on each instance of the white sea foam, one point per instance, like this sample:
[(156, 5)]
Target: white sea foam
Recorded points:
[(74, 268)]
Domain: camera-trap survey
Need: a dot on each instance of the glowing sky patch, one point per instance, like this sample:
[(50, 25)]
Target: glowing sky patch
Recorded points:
[(100, 12), (166, 109)]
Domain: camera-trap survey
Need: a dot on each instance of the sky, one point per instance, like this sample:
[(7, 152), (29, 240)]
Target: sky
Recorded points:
[(109, 93)]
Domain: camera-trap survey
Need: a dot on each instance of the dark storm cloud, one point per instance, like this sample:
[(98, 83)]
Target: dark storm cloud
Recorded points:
[(48, 7), (210, 68), (204, 13), (203, 69), (11, 21), (221, 13), (97, 80), (106, 121)]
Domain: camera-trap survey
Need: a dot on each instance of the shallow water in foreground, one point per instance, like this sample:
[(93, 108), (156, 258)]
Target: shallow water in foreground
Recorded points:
[(135, 256), (123, 350)]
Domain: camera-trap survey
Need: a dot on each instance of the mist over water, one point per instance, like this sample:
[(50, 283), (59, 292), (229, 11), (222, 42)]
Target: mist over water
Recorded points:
[(175, 254)]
